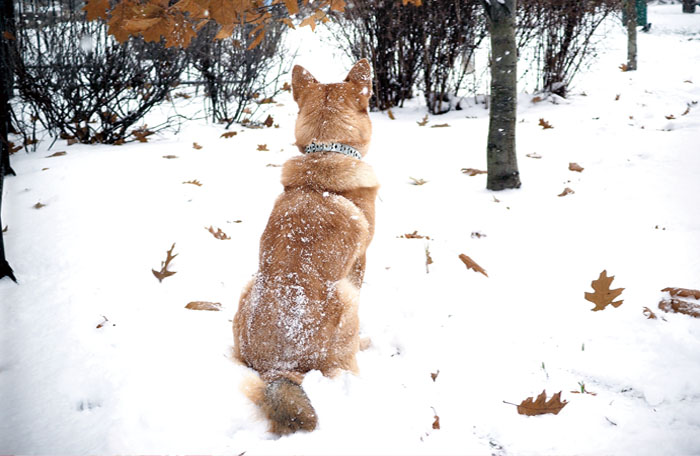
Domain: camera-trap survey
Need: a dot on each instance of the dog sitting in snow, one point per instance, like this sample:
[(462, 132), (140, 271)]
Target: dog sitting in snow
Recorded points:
[(299, 312)]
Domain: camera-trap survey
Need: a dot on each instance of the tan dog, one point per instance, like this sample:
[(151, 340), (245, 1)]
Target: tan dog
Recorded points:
[(299, 312)]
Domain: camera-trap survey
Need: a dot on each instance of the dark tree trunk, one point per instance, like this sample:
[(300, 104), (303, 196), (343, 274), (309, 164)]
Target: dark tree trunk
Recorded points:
[(6, 75), (688, 6), (631, 9), (500, 151)]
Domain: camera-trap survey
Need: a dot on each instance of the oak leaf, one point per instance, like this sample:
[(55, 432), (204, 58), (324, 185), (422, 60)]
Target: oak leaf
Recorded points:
[(649, 314), (203, 305), (541, 405), (471, 264), (680, 306), (310, 21), (269, 121), (603, 295), (263, 147), (544, 124), (220, 235), (164, 273), (96, 9)]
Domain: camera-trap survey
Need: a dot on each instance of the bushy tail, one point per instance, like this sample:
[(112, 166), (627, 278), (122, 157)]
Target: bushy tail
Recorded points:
[(287, 407)]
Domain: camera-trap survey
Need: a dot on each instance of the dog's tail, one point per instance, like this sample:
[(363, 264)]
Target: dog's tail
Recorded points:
[(285, 404)]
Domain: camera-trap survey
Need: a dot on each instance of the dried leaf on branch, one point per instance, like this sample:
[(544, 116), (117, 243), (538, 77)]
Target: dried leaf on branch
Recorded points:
[(163, 273), (218, 234), (541, 405), (603, 295), (471, 264), (203, 305)]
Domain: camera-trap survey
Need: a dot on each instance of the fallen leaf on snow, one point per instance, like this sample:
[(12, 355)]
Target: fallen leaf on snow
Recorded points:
[(440, 125), (679, 306), (434, 375), (39, 205), (670, 117), (567, 191), (203, 305), (575, 167), (417, 181), (541, 405), (390, 114), (218, 233), (229, 134), (544, 124), (193, 182), (649, 314), (471, 264), (164, 273), (196, 146), (424, 122), (683, 292), (472, 171), (57, 154), (414, 235), (263, 147), (603, 295), (169, 157), (533, 155)]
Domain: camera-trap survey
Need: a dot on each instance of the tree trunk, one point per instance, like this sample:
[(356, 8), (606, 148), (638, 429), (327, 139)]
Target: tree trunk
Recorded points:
[(500, 150), (688, 6), (6, 75), (631, 9)]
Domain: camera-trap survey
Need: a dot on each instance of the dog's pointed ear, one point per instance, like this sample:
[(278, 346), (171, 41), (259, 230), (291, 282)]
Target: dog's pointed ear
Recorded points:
[(361, 74), (301, 79)]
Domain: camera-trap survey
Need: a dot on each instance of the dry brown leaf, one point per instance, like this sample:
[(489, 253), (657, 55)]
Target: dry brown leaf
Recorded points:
[(434, 375), (534, 155), (193, 182), (415, 181), (471, 264), (617, 97), (286, 87), (273, 165), (603, 295), (436, 423), (679, 306), (575, 167), (164, 273), (390, 113), (440, 125), (472, 171), (220, 235), (39, 205), (536, 99), (229, 134), (477, 235), (649, 314), (566, 191), (57, 154), (414, 235), (544, 124), (428, 260), (269, 121), (683, 292), (4, 230), (263, 147), (686, 112), (196, 146), (670, 117), (623, 67), (203, 305), (169, 157), (541, 405), (424, 122), (71, 141)]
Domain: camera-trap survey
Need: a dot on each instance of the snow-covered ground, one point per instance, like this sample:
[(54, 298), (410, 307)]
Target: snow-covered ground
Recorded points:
[(158, 378)]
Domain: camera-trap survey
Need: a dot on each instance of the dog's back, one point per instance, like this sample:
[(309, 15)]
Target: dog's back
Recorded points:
[(299, 313)]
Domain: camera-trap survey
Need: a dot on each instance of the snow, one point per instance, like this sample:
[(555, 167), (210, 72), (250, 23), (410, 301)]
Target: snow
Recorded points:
[(158, 378)]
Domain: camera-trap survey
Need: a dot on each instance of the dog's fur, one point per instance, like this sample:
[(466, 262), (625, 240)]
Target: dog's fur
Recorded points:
[(299, 312)]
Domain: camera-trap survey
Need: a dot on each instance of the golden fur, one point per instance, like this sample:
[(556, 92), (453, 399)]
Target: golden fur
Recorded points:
[(299, 312)]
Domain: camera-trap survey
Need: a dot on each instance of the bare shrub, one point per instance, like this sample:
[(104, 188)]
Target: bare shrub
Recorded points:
[(238, 80), (561, 34), (80, 83)]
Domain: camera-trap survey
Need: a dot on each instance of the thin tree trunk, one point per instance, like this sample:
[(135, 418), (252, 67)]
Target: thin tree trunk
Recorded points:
[(6, 74), (631, 9), (688, 6), (500, 150)]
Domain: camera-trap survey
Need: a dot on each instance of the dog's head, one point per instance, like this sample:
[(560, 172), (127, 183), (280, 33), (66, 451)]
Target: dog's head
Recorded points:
[(334, 112)]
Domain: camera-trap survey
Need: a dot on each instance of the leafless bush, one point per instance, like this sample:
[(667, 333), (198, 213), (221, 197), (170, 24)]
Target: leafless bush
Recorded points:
[(561, 34), (80, 83), (238, 80)]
